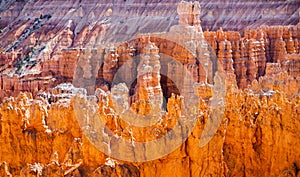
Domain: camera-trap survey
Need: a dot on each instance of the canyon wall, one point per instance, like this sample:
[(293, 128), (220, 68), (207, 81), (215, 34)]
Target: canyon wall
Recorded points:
[(54, 58)]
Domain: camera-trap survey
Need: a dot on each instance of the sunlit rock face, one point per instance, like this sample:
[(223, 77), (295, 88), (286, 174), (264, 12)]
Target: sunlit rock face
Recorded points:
[(47, 135), (122, 61)]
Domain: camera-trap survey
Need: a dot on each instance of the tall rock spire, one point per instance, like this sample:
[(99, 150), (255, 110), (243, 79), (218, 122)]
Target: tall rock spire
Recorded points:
[(148, 88)]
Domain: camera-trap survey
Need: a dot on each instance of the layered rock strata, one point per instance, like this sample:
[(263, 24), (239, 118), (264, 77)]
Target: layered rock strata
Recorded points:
[(32, 51)]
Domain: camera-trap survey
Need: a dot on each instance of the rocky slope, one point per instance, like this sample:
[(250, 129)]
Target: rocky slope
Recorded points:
[(126, 60)]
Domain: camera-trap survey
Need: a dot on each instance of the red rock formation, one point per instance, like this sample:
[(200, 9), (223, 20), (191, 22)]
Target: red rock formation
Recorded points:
[(292, 65), (110, 63), (258, 135), (211, 36), (48, 44), (258, 47), (267, 44), (127, 70), (290, 46), (148, 79), (248, 129)]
